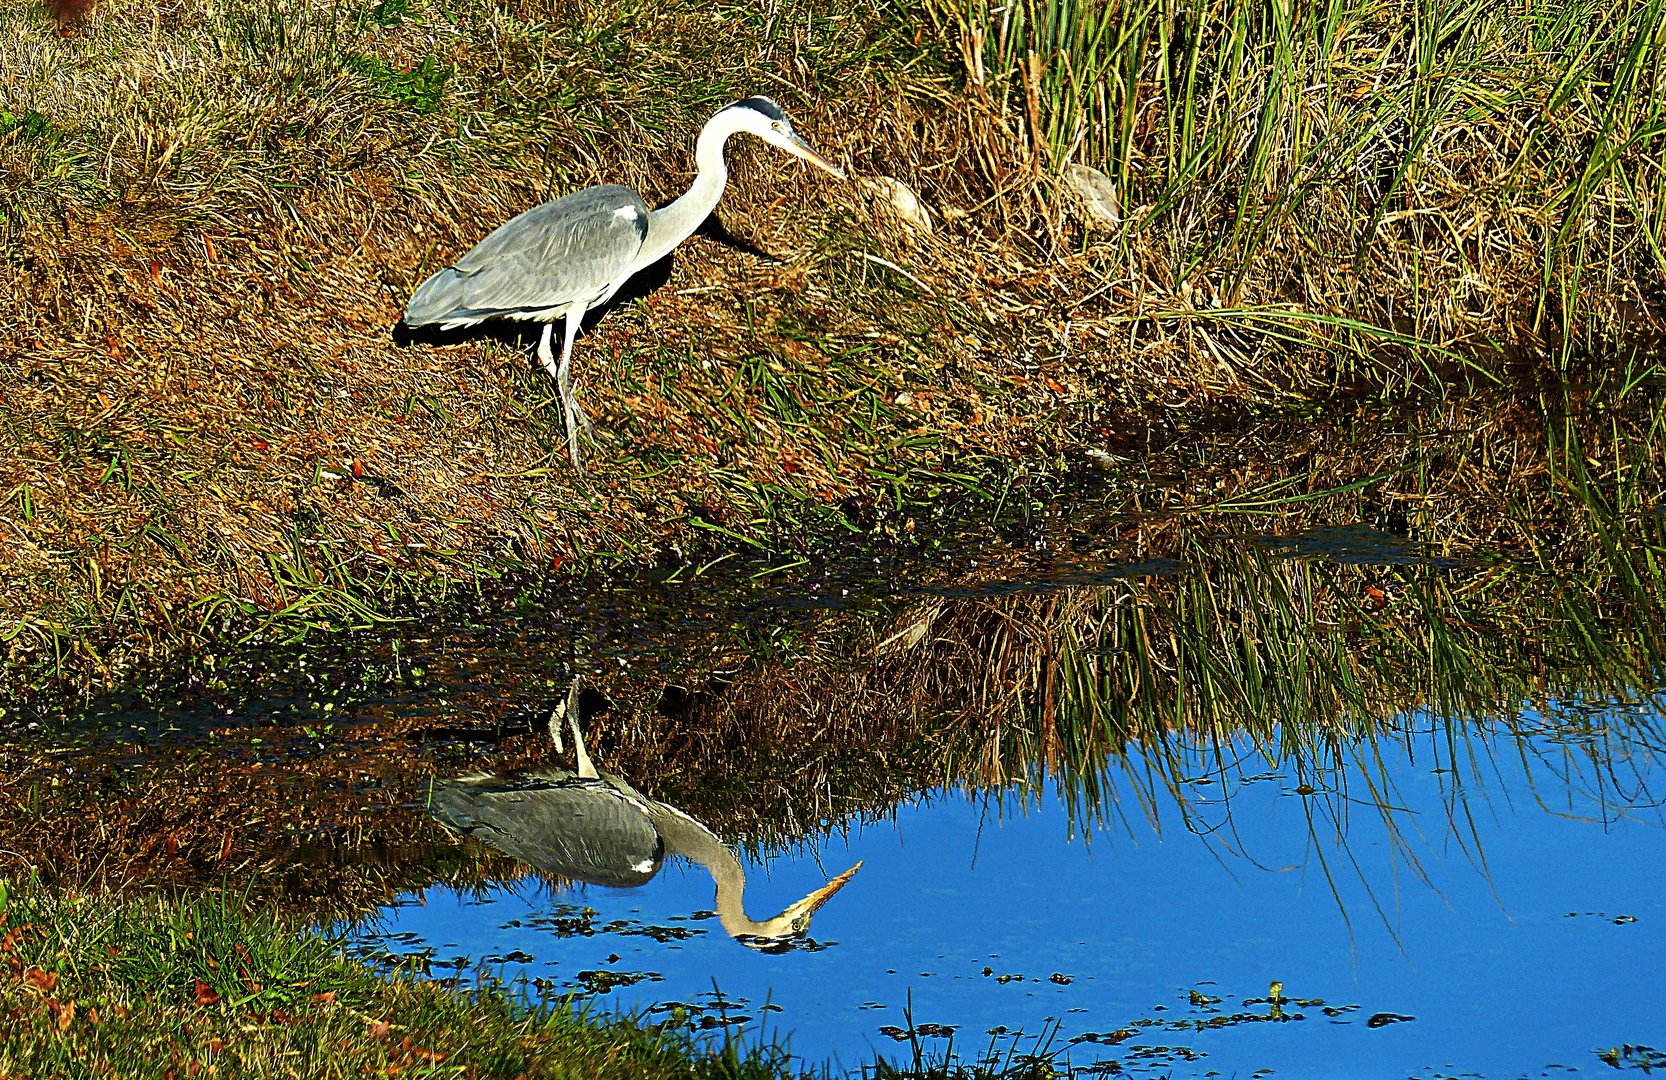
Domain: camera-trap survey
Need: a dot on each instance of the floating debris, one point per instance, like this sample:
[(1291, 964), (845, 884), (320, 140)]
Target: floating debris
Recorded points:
[(603, 982), (1617, 920), (924, 1031), (1629, 1056), (1106, 1038)]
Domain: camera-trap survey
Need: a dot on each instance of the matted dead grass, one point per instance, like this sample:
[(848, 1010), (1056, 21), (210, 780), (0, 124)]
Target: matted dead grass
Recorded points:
[(206, 417), (202, 396)]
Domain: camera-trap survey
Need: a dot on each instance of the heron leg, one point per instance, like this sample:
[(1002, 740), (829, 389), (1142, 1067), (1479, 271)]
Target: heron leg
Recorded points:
[(568, 711), (545, 356), (558, 714), (564, 379), (574, 320), (586, 768)]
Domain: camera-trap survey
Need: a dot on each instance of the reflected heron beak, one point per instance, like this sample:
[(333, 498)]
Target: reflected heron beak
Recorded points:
[(792, 926), (799, 148), (812, 903)]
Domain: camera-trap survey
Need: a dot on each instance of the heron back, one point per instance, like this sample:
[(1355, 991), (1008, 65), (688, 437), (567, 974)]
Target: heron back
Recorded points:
[(589, 830), (574, 251)]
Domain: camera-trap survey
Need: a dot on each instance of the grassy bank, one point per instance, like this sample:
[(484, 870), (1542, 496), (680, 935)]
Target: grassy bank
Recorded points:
[(214, 213), (93, 985)]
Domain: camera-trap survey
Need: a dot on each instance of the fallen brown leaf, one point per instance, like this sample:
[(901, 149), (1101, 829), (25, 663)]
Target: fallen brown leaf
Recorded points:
[(206, 995)]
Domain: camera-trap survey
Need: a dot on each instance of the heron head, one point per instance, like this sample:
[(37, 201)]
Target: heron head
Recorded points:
[(778, 934), (762, 117)]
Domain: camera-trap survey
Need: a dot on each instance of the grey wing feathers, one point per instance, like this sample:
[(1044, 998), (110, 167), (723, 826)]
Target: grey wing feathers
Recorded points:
[(581, 829), (575, 250)]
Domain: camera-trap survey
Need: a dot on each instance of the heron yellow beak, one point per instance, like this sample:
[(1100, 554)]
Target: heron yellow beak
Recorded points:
[(812, 903), (799, 148)]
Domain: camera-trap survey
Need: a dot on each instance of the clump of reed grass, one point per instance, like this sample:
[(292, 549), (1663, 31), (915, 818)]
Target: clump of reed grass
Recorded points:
[(1381, 173)]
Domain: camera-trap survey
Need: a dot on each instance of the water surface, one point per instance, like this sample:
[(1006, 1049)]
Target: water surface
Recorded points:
[(1329, 748), (1491, 909)]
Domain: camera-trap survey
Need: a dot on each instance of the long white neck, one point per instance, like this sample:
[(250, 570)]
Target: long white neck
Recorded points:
[(675, 223)]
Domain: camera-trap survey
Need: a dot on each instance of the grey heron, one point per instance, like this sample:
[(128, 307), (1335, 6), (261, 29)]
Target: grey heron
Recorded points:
[(562, 258), (592, 826)]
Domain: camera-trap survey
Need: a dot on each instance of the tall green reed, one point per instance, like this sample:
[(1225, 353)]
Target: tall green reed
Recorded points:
[(1476, 143)]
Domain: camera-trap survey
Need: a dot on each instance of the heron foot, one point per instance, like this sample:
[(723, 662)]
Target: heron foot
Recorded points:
[(584, 423), (574, 416), (573, 450)]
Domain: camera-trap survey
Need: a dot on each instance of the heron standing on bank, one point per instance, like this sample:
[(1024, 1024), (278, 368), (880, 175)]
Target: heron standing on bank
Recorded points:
[(593, 826), (562, 258)]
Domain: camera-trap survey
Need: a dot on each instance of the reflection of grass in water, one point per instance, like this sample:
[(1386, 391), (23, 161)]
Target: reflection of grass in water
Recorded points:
[(1006, 1055), (1311, 664), (1300, 655)]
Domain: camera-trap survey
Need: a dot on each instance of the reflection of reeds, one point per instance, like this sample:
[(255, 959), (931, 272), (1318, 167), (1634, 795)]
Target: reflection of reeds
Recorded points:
[(1558, 594)]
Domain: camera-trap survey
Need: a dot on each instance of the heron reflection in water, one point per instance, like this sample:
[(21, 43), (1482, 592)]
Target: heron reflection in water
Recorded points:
[(594, 827)]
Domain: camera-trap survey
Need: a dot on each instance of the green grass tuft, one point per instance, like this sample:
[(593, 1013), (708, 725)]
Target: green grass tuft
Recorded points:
[(30, 125), (155, 986), (418, 87)]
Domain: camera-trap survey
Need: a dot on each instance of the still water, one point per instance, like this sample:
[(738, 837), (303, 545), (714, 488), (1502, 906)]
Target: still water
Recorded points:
[(1436, 902)]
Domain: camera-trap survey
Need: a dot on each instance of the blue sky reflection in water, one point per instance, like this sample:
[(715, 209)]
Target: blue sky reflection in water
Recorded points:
[(1521, 925)]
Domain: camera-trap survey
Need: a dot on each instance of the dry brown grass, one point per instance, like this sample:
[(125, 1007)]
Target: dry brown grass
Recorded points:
[(207, 244), (200, 373)]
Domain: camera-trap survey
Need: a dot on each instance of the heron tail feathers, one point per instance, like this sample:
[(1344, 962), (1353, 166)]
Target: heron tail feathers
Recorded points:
[(441, 299)]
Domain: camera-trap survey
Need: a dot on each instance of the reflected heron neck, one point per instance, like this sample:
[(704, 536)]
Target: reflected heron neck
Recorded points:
[(686, 837)]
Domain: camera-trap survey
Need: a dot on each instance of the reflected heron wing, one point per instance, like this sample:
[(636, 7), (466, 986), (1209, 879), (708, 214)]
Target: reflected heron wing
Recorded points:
[(588, 830), (575, 250)]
